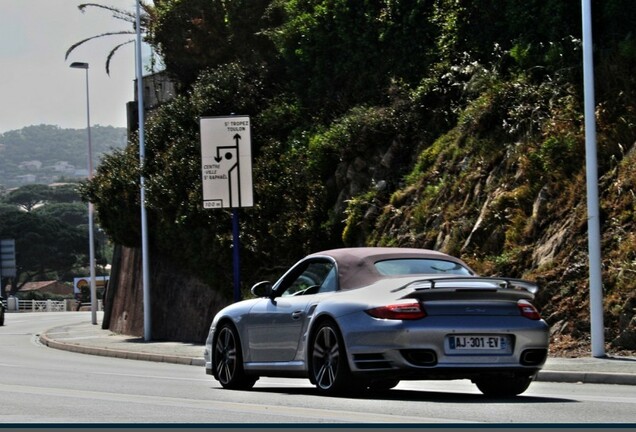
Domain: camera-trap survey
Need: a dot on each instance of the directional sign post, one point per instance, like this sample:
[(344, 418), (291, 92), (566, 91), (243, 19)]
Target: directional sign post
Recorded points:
[(226, 164), (226, 153)]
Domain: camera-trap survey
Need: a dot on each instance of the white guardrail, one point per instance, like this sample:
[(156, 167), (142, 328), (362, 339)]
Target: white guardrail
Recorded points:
[(16, 305)]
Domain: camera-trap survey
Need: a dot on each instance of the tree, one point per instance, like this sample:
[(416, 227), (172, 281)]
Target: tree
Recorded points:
[(195, 35), (49, 227), (73, 213), (65, 193), (340, 53), (29, 196), (45, 247), (190, 36), (130, 17)]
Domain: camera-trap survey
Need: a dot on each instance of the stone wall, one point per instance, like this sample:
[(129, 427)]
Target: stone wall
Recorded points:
[(182, 306)]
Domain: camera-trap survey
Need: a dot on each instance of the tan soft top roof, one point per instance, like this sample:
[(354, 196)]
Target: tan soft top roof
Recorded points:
[(356, 266)]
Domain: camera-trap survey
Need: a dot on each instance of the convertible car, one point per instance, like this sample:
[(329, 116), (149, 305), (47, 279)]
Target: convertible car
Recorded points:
[(362, 319)]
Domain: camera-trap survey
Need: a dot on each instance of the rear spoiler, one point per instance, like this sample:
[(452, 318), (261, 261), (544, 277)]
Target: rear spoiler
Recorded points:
[(469, 283)]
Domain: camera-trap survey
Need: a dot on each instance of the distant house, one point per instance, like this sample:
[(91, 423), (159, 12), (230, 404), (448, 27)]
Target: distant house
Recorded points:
[(64, 167), (32, 165), (48, 287), (26, 178)]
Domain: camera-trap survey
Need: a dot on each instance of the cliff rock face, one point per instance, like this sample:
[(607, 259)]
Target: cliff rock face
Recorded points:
[(515, 226), (182, 306)]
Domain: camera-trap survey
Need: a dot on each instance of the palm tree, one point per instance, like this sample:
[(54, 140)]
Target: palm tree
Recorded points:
[(147, 15)]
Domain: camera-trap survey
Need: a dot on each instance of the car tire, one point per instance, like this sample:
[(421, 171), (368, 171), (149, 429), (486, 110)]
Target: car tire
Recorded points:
[(383, 384), (228, 360), (328, 364), (503, 386), (1, 316)]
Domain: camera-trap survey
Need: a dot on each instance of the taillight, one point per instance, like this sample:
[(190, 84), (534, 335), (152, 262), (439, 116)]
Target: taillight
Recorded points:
[(398, 311), (528, 310)]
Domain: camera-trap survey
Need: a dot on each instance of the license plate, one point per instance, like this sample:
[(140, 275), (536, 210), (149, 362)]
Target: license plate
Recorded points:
[(477, 343)]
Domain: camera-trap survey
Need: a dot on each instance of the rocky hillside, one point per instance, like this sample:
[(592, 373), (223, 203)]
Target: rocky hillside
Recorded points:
[(515, 205), (45, 154)]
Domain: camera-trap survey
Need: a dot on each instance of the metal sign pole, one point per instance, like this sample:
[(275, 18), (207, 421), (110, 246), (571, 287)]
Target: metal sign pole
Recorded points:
[(226, 173), (237, 254)]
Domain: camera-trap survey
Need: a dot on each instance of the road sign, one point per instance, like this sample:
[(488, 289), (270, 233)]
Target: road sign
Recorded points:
[(226, 162), (7, 258)]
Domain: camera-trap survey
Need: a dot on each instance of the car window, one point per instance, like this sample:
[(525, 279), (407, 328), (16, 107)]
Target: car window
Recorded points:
[(310, 278), (404, 266), (330, 283)]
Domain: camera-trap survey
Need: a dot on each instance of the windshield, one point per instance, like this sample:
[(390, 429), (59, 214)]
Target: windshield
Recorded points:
[(411, 266)]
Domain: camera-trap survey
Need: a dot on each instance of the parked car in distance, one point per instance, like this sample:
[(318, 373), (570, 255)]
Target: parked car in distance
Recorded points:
[(2, 311), (362, 319)]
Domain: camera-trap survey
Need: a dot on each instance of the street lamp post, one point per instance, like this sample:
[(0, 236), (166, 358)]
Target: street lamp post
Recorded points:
[(91, 239), (597, 328), (145, 262)]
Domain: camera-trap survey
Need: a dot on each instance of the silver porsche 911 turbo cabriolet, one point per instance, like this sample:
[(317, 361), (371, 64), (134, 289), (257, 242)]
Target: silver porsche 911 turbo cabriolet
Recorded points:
[(365, 318)]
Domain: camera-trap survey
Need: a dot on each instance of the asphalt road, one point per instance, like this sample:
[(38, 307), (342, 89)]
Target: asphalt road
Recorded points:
[(42, 385)]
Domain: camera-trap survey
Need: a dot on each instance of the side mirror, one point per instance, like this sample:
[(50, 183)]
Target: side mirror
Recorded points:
[(262, 289)]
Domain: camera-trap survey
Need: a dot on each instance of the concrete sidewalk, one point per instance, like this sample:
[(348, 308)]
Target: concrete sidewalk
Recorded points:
[(89, 338)]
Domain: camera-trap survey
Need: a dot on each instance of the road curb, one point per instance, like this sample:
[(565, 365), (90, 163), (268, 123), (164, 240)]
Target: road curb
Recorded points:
[(586, 377), (106, 352)]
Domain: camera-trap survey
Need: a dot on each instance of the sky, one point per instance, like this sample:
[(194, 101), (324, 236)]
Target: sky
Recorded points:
[(37, 86)]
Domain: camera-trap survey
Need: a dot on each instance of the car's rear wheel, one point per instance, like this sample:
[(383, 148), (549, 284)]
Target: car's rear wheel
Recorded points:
[(1, 316), (329, 369), (383, 384), (228, 360), (503, 386)]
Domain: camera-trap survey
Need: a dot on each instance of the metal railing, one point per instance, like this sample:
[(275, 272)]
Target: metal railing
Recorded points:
[(16, 305), (41, 306)]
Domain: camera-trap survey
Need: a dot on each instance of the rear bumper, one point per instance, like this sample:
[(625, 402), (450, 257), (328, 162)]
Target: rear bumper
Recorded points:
[(420, 349)]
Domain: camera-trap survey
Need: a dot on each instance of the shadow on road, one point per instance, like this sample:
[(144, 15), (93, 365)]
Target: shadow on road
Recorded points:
[(418, 396)]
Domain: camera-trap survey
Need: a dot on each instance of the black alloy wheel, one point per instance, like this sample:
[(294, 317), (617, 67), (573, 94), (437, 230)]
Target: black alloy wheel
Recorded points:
[(329, 368), (228, 368)]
